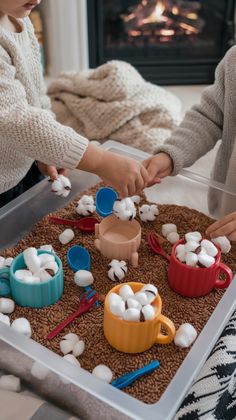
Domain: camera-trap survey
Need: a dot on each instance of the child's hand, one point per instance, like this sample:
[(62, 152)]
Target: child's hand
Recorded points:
[(224, 227), (51, 171), (126, 175), (158, 166)]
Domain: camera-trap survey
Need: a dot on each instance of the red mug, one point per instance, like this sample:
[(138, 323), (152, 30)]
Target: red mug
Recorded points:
[(195, 281)]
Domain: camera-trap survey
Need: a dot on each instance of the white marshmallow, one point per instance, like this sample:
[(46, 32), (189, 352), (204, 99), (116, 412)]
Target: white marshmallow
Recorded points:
[(39, 371), (180, 249), (191, 246), (78, 348), (117, 270), (52, 266), (223, 243), (193, 236), (5, 319), (124, 209), (7, 306), (168, 228), (114, 298), (72, 337), (66, 346), (117, 308), (132, 315), (66, 236), (125, 292), (23, 274), (133, 303), (136, 199), (61, 186), (32, 280), (206, 260), (48, 248), (103, 372), (151, 291), (85, 206), (2, 262), (43, 275), (8, 261), (185, 335), (191, 259), (71, 358), (31, 259), (181, 256), (148, 312), (141, 298), (22, 326), (45, 258), (172, 237), (10, 383), (83, 278), (209, 247)]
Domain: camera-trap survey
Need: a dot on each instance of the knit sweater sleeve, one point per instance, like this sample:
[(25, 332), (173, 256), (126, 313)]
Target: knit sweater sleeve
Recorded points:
[(32, 130), (202, 125)]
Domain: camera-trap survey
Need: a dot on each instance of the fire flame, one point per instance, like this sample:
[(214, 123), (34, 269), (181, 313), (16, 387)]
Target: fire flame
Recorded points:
[(157, 14)]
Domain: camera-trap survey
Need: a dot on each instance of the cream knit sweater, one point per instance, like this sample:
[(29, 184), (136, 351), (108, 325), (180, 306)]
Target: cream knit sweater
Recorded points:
[(28, 129)]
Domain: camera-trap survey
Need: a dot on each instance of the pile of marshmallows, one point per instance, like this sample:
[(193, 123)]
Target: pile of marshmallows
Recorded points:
[(21, 325), (197, 252), (40, 268), (134, 307)]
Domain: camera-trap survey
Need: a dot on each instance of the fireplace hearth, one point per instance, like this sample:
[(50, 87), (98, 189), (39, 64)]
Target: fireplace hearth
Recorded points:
[(168, 41)]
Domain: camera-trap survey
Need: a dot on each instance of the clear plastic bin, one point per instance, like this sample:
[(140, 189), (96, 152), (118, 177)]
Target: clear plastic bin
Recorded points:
[(88, 397)]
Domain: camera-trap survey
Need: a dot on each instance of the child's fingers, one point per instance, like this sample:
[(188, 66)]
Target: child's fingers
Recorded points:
[(225, 230), (52, 172), (145, 175), (221, 222), (232, 236), (63, 171)]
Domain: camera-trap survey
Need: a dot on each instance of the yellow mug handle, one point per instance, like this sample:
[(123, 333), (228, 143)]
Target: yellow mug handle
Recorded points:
[(168, 324)]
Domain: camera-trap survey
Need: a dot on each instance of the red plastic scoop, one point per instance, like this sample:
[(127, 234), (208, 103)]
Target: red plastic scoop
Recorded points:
[(86, 224), (155, 246)]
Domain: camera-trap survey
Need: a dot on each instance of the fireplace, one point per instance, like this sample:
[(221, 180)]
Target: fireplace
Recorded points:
[(168, 41)]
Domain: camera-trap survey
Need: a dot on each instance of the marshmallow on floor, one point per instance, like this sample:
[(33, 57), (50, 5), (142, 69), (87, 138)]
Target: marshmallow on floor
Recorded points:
[(83, 278), (103, 372), (168, 228), (7, 305), (22, 326), (61, 186)]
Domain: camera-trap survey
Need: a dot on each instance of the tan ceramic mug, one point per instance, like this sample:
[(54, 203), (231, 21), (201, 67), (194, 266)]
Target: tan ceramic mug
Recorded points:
[(119, 239), (136, 337)]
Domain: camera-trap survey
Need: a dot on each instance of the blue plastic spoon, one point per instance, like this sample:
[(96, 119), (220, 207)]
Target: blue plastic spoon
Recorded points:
[(105, 198), (78, 258), (130, 377)]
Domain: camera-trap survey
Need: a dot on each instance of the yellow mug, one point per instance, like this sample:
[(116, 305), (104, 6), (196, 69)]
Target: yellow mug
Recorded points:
[(136, 337)]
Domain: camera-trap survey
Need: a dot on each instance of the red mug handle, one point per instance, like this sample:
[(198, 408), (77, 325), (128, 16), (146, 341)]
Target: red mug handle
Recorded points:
[(220, 284)]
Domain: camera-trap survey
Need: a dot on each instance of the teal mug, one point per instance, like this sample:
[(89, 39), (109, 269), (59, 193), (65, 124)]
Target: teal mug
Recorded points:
[(35, 295)]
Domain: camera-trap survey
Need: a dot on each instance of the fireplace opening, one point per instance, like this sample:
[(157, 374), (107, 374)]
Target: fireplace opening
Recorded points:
[(168, 41)]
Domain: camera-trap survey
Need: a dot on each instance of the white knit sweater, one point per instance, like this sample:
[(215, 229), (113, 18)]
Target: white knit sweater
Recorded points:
[(28, 129)]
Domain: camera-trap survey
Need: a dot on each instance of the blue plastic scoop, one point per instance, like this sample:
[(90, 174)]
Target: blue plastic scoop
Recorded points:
[(129, 378), (105, 198), (78, 258)]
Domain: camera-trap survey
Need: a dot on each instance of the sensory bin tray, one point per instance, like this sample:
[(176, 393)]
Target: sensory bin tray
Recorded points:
[(156, 395)]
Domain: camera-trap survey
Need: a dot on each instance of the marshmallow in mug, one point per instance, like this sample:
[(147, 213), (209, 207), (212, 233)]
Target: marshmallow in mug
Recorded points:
[(148, 213), (39, 267), (133, 307), (61, 186), (86, 206), (124, 209), (118, 270), (196, 252)]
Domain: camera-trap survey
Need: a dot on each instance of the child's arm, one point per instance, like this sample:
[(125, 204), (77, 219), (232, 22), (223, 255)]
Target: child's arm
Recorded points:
[(224, 227), (34, 132), (201, 127)]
